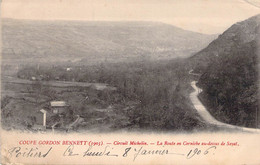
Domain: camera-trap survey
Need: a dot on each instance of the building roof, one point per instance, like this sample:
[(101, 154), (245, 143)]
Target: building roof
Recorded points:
[(58, 104), (43, 111)]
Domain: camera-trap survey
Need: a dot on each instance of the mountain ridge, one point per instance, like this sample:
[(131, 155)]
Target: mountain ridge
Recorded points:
[(239, 33), (103, 22), (98, 40)]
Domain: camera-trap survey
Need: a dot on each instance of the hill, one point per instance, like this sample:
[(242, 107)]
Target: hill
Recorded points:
[(97, 41), (235, 37), (229, 69)]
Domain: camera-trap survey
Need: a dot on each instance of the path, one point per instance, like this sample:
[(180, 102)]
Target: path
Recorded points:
[(206, 116)]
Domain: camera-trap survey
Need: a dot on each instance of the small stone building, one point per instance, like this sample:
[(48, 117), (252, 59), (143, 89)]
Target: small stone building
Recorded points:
[(59, 107)]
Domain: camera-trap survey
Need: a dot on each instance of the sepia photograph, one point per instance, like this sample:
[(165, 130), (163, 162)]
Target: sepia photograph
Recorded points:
[(111, 67), (92, 75)]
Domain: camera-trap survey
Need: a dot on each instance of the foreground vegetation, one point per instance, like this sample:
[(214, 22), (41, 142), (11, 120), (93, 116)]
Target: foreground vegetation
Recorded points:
[(230, 87), (151, 95)]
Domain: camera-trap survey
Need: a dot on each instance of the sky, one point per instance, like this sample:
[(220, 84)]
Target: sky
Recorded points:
[(204, 16)]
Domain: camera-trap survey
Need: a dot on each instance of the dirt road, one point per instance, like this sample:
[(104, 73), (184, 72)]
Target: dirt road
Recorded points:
[(206, 116)]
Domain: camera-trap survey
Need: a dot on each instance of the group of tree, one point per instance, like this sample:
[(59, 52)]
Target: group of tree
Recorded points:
[(158, 90)]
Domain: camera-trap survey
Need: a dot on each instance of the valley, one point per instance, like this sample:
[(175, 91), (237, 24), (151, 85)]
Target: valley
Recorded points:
[(128, 76)]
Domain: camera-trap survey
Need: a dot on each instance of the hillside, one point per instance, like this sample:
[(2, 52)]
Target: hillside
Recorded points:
[(236, 36), (229, 69), (97, 41)]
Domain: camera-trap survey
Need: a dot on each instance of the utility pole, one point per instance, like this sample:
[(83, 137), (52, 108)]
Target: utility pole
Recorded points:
[(44, 117), (256, 124)]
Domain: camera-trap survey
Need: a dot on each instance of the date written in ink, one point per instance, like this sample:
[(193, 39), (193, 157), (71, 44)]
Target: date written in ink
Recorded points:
[(197, 152)]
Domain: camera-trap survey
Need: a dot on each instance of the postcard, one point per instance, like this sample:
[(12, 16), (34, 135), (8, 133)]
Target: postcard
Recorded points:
[(130, 82)]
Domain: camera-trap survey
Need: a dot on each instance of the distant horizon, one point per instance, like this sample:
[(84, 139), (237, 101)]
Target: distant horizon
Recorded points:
[(202, 16), (117, 21), (107, 21)]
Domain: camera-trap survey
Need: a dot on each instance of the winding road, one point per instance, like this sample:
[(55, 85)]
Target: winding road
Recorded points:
[(207, 117)]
